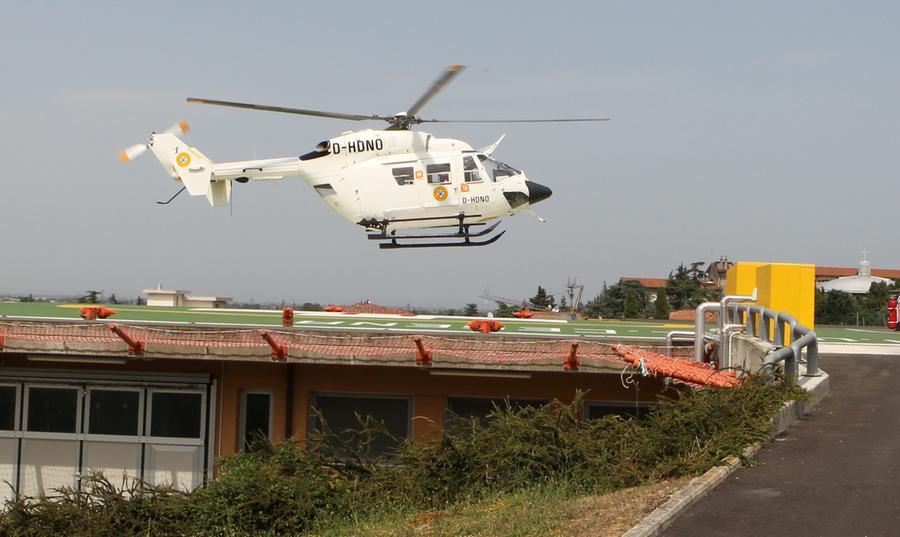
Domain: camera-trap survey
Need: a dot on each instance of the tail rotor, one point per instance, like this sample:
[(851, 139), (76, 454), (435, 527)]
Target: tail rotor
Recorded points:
[(134, 151)]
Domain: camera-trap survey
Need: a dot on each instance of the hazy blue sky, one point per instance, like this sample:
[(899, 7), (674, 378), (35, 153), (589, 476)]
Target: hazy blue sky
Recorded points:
[(761, 131)]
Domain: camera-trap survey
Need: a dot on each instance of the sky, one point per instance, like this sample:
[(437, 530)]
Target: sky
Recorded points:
[(764, 131)]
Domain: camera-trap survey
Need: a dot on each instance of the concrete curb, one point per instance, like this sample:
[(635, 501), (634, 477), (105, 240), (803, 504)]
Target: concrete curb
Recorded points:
[(661, 517)]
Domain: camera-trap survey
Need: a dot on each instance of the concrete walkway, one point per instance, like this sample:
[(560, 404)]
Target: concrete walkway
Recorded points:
[(834, 473)]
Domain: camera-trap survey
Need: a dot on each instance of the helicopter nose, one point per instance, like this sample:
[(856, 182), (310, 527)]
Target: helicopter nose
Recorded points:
[(537, 192)]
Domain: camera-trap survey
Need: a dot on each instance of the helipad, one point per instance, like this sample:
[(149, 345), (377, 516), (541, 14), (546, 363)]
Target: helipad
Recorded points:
[(347, 322)]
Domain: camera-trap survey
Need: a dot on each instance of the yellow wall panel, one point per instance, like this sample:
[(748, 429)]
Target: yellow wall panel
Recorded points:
[(788, 287), (741, 278)]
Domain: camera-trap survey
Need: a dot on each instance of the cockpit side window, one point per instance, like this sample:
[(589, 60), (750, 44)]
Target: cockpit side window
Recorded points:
[(470, 171), (403, 176), (496, 169), (438, 173)]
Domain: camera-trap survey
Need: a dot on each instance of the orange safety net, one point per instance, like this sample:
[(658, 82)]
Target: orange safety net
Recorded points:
[(678, 368), (473, 349)]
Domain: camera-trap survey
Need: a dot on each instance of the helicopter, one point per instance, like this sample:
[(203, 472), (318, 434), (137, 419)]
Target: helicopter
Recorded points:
[(384, 180)]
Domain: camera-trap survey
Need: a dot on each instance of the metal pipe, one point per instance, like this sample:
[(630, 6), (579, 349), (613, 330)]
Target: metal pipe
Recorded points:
[(765, 332), (725, 344), (680, 334), (812, 355), (726, 300), (781, 318), (756, 316), (700, 326)]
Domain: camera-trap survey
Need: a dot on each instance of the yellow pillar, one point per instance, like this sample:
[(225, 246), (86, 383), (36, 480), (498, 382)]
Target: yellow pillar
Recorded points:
[(788, 287)]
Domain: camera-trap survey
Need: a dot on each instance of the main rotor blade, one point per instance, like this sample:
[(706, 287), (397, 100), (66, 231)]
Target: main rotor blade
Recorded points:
[(438, 85), (572, 120), (301, 111)]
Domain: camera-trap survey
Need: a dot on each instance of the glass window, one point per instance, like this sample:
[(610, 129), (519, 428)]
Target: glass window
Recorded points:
[(438, 173), (340, 413), (496, 169), (470, 170), (7, 408), (478, 407), (403, 176), (625, 410), (52, 410), (257, 412), (114, 412), (175, 414)]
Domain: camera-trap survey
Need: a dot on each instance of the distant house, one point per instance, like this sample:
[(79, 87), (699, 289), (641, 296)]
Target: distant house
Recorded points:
[(652, 284), (177, 298), (717, 270)]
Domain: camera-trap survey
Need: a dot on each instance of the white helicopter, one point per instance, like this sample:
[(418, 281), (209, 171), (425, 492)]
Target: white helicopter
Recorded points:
[(383, 180)]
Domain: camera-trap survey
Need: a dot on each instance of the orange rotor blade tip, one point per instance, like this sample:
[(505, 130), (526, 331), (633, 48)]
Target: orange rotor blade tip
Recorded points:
[(123, 156), (455, 67), (184, 126)]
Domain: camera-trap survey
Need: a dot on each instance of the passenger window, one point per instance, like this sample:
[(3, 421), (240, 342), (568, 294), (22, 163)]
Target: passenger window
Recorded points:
[(470, 171), (403, 176), (438, 173)]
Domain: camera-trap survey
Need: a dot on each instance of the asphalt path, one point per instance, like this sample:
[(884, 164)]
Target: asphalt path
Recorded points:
[(833, 473)]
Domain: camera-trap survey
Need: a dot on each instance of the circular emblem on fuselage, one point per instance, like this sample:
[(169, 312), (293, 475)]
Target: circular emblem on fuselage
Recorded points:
[(183, 159), (440, 193)]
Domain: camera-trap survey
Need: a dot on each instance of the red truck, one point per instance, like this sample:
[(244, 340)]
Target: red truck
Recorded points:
[(892, 311)]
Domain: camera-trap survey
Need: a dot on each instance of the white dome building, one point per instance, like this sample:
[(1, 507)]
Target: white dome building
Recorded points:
[(856, 285)]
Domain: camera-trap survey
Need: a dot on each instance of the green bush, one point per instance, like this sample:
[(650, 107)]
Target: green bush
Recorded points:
[(288, 489)]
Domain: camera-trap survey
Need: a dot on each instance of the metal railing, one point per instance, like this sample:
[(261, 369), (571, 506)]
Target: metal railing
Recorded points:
[(757, 319), (736, 315)]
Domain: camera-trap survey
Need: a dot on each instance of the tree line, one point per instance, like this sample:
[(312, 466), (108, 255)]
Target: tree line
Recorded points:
[(870, 309)]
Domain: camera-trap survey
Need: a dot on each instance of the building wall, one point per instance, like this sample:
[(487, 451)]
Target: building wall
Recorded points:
[(168, 301), (428, 391), (293, 385)]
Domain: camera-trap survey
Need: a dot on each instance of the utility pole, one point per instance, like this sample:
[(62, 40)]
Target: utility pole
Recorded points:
[(572, 286)]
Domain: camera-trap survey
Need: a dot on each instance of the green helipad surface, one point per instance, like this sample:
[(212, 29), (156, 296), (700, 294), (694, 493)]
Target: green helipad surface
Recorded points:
[(606, 329)]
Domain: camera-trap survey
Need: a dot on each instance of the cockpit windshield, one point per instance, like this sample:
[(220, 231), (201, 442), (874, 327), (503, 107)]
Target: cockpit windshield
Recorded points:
[(496, 169)]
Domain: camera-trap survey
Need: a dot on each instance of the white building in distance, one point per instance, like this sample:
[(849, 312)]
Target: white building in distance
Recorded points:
[(178, 298), (855, 285)]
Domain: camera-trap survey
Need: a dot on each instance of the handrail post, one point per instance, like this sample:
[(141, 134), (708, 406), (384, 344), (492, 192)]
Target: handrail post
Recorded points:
[(723, 313), (700, 326), (812, 356)]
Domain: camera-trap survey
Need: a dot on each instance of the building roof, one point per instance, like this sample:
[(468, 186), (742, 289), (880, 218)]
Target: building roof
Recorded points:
[(186, 294), (649, 283), (157, 291), (837, 272), (858, 284)]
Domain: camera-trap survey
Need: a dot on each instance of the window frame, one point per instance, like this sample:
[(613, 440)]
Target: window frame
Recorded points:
[(448, 173), (242, 426), (312, 419), (17, 411), (141, 424), (467, 173), (411, 175), (447, 399), (179, 440), (46, 435), (644, 406)]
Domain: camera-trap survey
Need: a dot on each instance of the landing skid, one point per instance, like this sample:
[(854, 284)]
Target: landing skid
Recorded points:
[(463, 232)]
